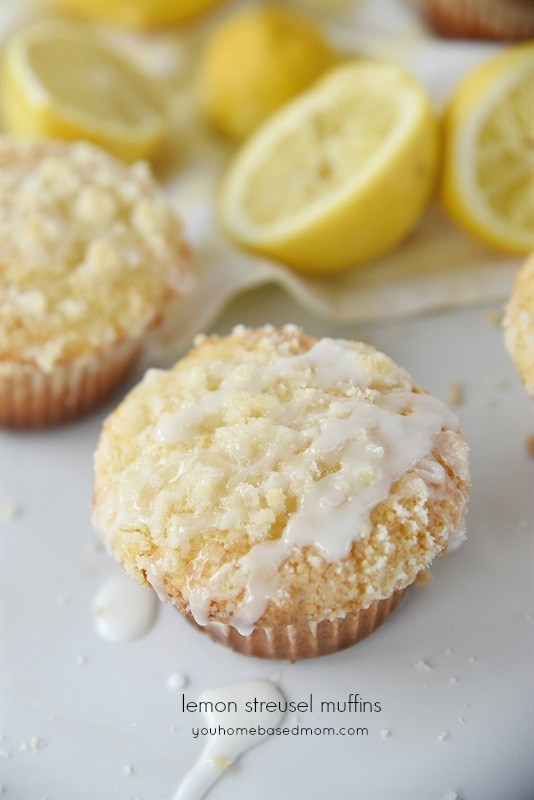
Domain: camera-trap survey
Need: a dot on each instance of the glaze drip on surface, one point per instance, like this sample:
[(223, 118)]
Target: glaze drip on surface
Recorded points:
[(223, 749)]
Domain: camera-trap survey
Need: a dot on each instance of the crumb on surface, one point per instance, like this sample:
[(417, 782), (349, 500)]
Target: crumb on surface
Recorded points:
[(424, 577), (222, 762), (423, 666), (176, 681), (63, 600), (385, 732), (443, 735), (455, 393), (529, 444), (33, 744), (495, 317), (13, 511)]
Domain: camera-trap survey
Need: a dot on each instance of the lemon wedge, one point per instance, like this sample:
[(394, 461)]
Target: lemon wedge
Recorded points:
[(60, 80), (137, 14), (254, 62), (337, 176), (488, 176)]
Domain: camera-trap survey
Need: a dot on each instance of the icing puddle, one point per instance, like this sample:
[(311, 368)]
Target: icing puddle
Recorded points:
[(123, 609), (225, 710)]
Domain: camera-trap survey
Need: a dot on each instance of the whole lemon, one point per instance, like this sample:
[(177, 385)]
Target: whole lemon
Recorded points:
[(255, 62)]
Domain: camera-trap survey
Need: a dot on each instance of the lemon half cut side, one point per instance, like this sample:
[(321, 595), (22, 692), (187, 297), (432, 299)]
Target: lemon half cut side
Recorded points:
[(61, 80), (339, 175), (488, 177)]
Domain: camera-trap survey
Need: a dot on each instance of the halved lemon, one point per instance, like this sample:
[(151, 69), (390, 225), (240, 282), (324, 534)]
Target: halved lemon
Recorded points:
[(488, 176), (339, 175), (60, 80), (137, 13)]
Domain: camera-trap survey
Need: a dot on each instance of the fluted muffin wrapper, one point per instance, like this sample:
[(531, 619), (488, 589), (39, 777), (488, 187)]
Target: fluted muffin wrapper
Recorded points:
[(478, 19), (33, 398), (305, 639)]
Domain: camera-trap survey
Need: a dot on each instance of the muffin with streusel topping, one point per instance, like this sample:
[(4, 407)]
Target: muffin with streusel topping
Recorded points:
[(91, 257), (281, 490)]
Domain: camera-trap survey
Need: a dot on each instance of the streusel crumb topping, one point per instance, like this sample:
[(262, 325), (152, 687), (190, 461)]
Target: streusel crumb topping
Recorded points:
[(91, 251)]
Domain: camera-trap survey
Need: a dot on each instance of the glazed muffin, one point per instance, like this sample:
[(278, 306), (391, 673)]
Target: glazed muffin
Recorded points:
[(281, 490), (499, 20), (518, 324), (91, 256)]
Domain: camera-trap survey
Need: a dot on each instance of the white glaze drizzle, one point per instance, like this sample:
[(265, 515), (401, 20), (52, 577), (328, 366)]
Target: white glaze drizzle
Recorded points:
[(374, 443), (222, 749), (123, 609)]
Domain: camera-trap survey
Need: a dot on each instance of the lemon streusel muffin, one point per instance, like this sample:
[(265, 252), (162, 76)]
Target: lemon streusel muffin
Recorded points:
[(91, 255), (519, 324), (281, 490)]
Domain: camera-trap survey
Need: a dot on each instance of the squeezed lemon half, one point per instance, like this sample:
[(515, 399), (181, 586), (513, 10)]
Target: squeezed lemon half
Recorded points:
[(339, 175), (60, 80), (488, 176)]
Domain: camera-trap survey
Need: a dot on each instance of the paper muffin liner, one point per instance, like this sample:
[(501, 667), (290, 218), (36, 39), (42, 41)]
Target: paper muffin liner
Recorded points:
[(31, 398), (305, 639), (502, 20)]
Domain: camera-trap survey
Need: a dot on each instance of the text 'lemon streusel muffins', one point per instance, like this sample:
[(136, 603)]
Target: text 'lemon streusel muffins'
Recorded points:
[(518, 324), (281, 490), (91, 256)]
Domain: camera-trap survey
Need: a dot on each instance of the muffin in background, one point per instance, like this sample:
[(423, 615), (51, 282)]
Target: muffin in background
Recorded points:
[(518, 324), (281, 490), (91, 257), (500, 20)]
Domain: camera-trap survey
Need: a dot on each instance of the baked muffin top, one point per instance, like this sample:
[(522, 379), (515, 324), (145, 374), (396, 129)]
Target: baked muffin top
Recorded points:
[(91, 251), (271, 475)]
